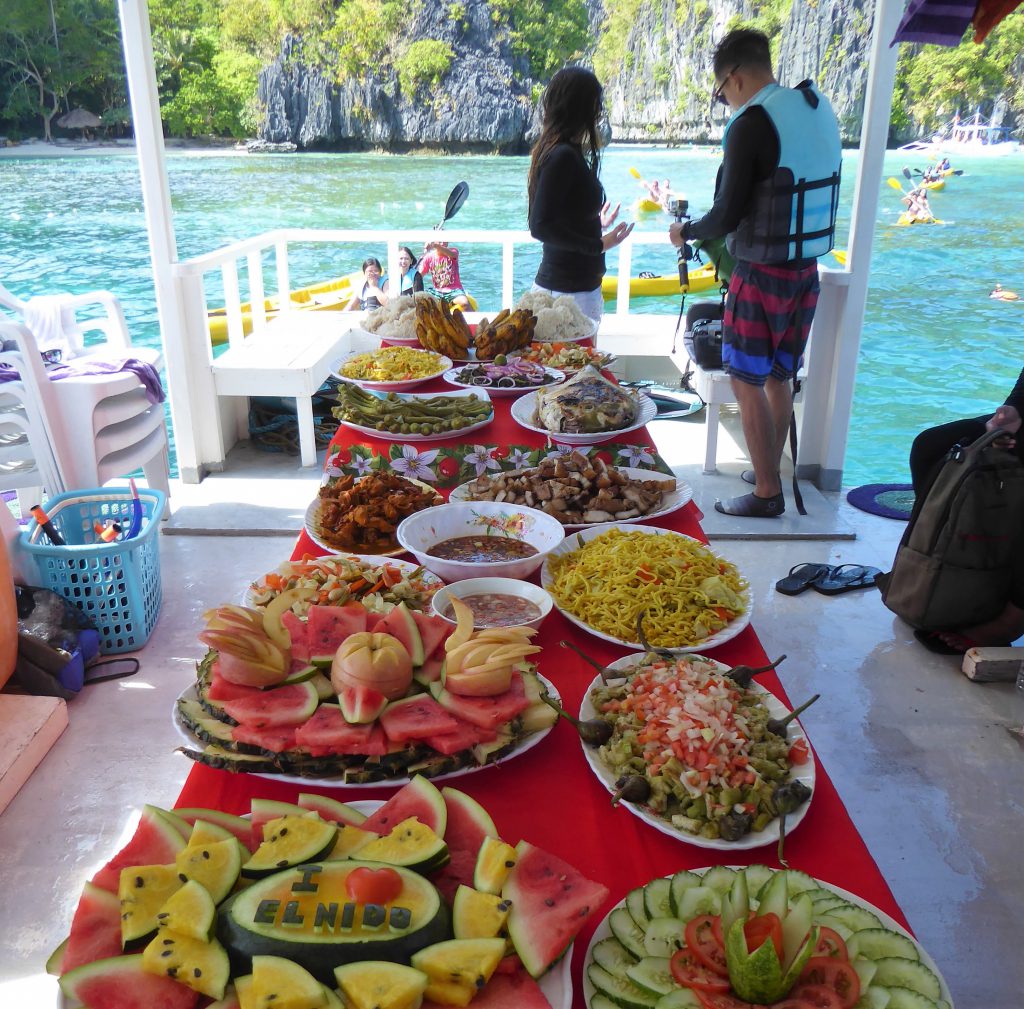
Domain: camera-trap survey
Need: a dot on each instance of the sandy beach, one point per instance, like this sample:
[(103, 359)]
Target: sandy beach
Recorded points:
[(66, 148)]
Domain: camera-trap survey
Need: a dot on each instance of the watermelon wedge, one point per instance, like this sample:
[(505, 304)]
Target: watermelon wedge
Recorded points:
[(224, 690), (329, 732), (458, 872), (95, 929), (296, 628), (464, 736), (551, 901), (155, 842), (506, 991), (420, 798), (242, 829), (330, 809), (289, 705), (417, 717), (278, 739), (399, 623), (487, 712), (468, 822), (328, 626), (120, 983), (433, 632)]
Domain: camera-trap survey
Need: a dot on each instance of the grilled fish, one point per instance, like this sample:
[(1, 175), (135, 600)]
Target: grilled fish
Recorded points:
[(588, 403)]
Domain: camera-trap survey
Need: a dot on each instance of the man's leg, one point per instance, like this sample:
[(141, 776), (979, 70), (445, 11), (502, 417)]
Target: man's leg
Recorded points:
[(757, 415)]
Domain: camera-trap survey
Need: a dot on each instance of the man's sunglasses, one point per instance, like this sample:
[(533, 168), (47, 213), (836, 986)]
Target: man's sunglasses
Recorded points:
[(716, 95)]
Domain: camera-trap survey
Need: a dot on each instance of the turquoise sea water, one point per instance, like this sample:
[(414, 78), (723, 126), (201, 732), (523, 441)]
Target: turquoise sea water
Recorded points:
[(934, 345)]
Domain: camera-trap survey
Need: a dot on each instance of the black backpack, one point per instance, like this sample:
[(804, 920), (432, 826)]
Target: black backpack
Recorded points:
[(955, 563), (703, 334)]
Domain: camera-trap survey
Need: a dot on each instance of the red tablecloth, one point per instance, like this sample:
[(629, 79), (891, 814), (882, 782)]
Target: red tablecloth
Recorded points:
[(550, 797)]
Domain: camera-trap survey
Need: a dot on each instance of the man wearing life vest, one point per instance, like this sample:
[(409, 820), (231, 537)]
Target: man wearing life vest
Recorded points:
[(776, 199)]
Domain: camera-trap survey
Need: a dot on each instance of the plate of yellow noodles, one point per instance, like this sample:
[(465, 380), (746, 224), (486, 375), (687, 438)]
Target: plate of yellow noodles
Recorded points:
[(603, 577), (391, 369)]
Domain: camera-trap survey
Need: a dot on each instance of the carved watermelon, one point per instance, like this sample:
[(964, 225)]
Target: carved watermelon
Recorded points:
[(120, 983), (401, 624), (487, 712), (420, 798), (279, 739), (464, 736), (329, 732), (551, 901), (156, 841), (417, 717), (433, 631), (224, 690), (330, 809), (468, 822), (95, 929), (328, 626), (296, 628), (288, 705)]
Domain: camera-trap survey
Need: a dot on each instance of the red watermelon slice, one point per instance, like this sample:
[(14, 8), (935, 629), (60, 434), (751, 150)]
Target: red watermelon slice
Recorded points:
[(242, 829), (279, 706), (458, 872), (464, 736), (121, 983), (468, 822), (296, 628), (487, 712), (224, 690), (95, 930), (417, 717), (330, 809), (430, 671), (399, 623), (551, 901), (420, 798), (275, 740), (155, 842), (328, 626), (328, 732), (506, 991), (433, 631)]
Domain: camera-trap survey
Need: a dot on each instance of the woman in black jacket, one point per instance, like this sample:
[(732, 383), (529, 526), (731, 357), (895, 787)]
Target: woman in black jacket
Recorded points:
[(568, 211)]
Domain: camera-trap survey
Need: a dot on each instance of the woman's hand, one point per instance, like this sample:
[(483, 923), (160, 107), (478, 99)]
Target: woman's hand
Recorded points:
[(616, 236), (1009, 420), (608, 215)]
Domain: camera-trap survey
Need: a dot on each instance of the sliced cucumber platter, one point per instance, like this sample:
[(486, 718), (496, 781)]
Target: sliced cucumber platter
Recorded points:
[(834, 949)]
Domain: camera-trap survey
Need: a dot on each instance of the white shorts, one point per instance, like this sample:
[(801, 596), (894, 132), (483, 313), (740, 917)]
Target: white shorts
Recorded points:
[(591, 303)]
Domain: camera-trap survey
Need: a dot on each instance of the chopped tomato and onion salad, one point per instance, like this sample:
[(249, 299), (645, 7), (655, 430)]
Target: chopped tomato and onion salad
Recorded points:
[(828, 980), (700, 740)]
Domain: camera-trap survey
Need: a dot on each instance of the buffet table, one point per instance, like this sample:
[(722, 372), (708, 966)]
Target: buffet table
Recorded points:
[(548, 795)]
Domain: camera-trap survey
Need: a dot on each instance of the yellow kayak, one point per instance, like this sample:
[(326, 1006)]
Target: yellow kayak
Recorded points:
[(646, 206), (936, 185), (905, 219), (327, 296), (701, 279)]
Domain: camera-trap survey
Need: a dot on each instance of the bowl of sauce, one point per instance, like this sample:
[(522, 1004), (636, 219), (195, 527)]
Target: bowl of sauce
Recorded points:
[(474, 539), (495, 602)]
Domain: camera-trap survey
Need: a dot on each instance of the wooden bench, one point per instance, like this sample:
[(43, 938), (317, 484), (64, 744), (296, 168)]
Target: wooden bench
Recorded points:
[(292, 357)]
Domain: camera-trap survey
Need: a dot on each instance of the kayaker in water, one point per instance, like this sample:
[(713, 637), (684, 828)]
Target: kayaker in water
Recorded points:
[(1000, 295), (568, 212), (411, 279), (441, 261), (371, 294), (917, 205)]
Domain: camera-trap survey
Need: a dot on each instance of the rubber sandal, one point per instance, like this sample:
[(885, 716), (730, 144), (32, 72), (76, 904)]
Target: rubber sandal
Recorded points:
[(752, 507), (748, 476), (847, 578), (934, 642), (801, 577)]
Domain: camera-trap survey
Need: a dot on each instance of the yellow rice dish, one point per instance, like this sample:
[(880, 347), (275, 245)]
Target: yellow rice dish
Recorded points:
[(687, 592), (393, 364)]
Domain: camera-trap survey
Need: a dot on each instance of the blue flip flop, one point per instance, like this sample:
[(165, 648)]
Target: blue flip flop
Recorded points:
[(801, 577), (846, 578)]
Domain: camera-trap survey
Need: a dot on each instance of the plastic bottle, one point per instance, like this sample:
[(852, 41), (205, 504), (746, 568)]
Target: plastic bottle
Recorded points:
[(8, 613)]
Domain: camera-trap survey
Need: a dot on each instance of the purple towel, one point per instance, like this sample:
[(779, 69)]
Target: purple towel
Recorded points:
[(146, 373), (938, 22)]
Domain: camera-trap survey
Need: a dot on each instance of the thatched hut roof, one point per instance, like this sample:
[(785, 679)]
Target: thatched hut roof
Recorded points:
[(78, 119)]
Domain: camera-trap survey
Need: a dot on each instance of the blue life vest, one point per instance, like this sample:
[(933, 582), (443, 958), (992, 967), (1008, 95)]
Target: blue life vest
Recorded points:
[(793, 214)]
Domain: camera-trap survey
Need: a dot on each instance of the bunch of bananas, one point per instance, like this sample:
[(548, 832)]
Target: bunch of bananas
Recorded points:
[(508, 331), (440, 329)]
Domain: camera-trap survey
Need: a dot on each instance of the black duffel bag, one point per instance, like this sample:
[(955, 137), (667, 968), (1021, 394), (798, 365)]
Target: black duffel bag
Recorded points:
[(703, 335)]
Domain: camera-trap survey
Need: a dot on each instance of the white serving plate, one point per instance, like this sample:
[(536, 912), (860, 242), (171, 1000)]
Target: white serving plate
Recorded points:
[(371, 560), (443, 365), (571, 543), (372, 432), (672, 502), (451, 377), (522, 414), (755, 839), (190, 694), (603, 931)]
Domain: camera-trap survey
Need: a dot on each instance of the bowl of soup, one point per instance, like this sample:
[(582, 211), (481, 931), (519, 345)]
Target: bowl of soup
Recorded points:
[(495, 602), (475, 539)]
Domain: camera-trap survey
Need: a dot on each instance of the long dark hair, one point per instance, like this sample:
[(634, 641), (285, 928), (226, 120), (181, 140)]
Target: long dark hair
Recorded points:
[(571, 109)]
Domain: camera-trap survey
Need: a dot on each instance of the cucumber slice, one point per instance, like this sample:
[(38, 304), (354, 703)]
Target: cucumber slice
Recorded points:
[(635, 906), (774, 898), (876, 997), (901, 972), (823, 896), (699, 900), (720, 878), (663, 936), (301, 675), (800, 882), (757, 876), (621, 991), (599, 1001), (681, 998), (322, 661), (681, 882), (854, 917), (874, 943), (657, 899), (866, 970), (906, 998), (824, 905), (835, 924), (629, 934), (614, 957), (653, 975)]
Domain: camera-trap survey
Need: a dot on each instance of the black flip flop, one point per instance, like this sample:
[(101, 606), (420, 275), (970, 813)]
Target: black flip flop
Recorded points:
[(801, 577), (753, 507), (846, 578)]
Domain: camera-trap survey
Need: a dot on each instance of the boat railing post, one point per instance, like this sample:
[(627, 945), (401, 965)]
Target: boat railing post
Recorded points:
[(257, 297), (284, 302), (394, 270), (508, 262), (236, 335), (622, 288)]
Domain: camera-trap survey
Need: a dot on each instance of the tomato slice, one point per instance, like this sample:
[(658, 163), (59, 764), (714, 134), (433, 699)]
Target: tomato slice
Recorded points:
[(830, 944), (714, 1000), (703, 939), (799, 752), (693, 973), (837, 975), (761, 928), (373, 886), (815, 996)]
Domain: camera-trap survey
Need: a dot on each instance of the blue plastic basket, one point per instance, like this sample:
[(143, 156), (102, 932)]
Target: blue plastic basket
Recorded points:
[(117, 585)]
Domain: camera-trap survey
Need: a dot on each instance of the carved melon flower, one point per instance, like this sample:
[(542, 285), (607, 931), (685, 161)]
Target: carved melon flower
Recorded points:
[(415, 464)]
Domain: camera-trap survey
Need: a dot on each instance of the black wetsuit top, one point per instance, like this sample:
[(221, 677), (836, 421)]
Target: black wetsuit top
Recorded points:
[(1016, 397)]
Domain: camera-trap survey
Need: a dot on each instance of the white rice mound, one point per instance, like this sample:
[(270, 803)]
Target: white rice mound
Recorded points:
[(557, 318), (396, 320)]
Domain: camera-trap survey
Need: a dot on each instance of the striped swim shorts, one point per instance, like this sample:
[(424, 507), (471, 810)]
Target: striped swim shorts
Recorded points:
[(758, 327)]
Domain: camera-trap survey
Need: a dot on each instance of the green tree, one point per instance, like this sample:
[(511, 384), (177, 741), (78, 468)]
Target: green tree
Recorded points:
[(426, 61), (550, 33)]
